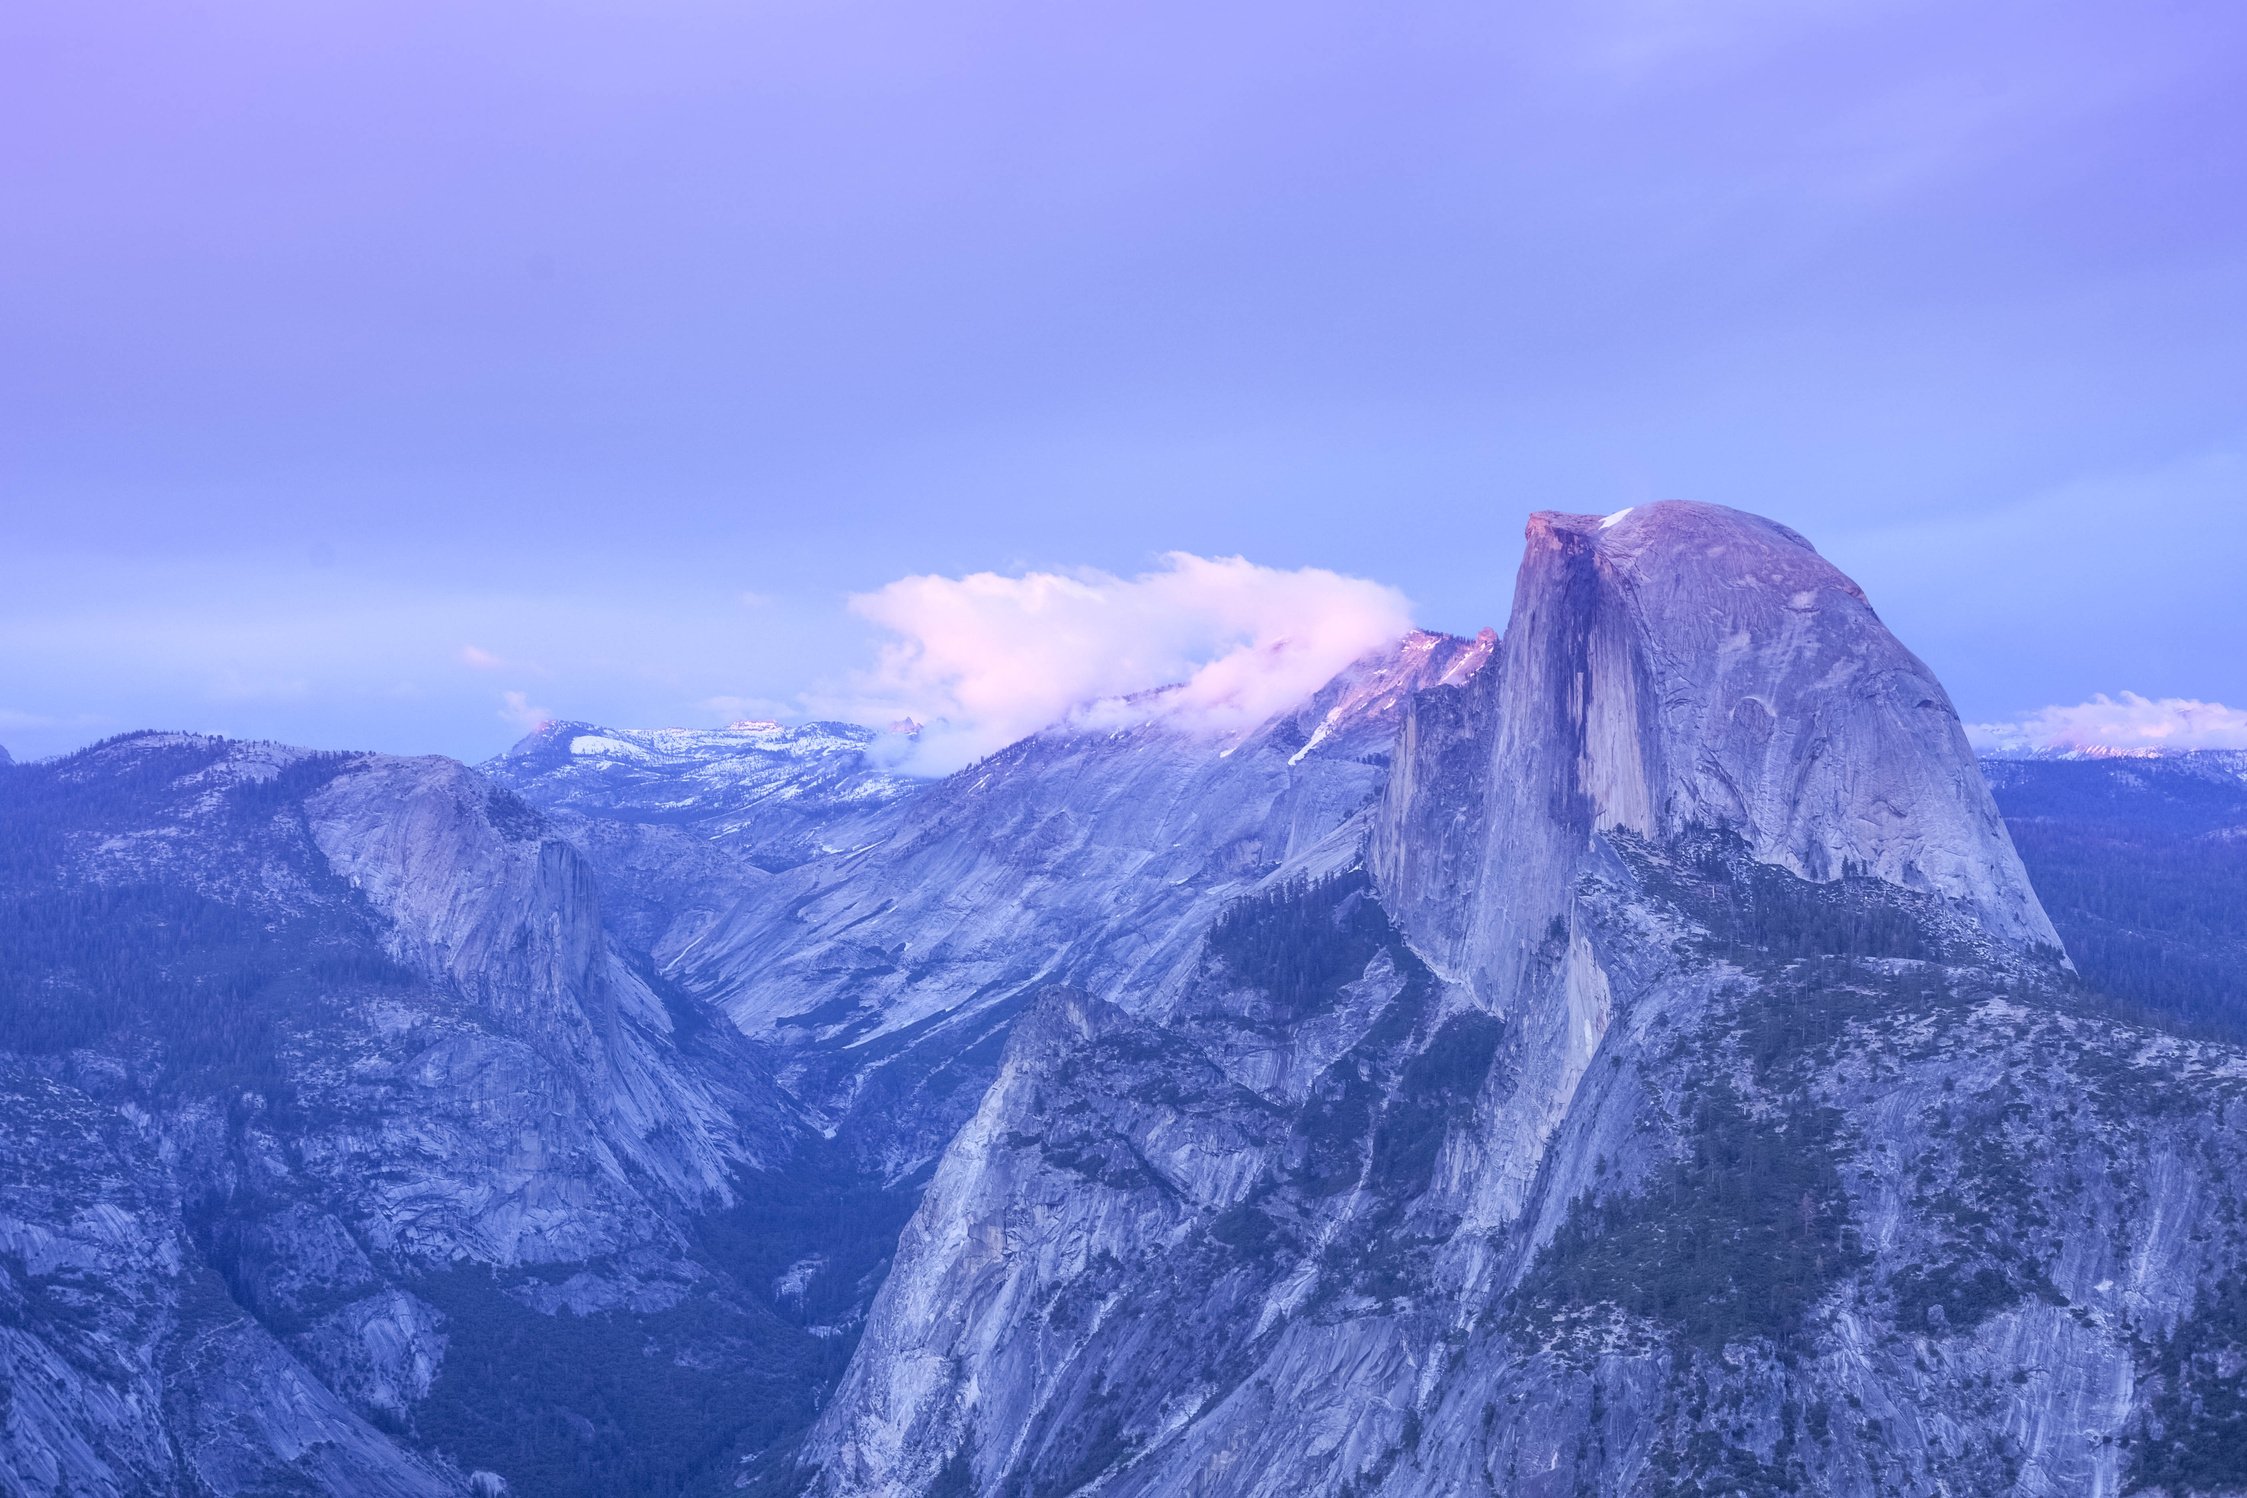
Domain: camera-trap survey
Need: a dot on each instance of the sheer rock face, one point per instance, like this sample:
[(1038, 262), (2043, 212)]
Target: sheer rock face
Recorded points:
[(1687, 1094), (1673, 667), (471, 889), (480, 894)]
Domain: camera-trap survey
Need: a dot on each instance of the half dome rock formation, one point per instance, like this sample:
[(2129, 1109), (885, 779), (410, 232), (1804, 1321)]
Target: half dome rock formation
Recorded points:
[(1685, 1092), (1679, 667)]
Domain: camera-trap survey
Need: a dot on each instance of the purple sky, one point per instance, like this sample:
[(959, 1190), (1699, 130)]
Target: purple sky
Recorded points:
[(367, 363)]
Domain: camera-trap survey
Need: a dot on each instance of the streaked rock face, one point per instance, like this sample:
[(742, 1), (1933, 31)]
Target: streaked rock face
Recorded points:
[(1674, 667)]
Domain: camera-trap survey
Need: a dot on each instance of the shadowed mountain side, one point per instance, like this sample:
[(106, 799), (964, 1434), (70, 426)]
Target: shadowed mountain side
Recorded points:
[(2142, 861)]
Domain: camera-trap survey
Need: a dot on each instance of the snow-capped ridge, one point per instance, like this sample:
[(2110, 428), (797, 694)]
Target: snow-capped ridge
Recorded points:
[(773, 791)]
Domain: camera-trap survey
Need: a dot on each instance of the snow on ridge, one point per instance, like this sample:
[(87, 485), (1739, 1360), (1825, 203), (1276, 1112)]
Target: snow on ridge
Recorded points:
[(651, 746)]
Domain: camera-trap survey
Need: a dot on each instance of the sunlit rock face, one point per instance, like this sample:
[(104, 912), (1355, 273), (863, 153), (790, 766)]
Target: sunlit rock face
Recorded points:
[(1678, 667), (1680, 1089)]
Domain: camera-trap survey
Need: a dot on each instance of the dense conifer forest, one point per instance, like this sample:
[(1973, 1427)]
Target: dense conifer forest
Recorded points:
[(2142, 866)]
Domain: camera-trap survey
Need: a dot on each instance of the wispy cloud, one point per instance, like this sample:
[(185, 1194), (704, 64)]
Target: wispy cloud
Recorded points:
[(481, 659), (518, 709), (983, 660), (2126, 721)]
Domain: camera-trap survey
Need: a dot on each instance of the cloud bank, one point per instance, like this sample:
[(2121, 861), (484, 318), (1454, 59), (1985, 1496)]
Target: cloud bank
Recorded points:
[(2126, 722), (983, 660)]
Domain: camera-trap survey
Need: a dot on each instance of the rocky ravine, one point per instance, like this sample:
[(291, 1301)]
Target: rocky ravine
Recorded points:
[(883, 978)]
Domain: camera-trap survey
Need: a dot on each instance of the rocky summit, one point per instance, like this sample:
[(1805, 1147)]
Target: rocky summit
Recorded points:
[(1642, 1052)]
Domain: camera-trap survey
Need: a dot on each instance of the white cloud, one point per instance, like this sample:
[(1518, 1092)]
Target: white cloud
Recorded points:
[(983, 660), (517, 708), (2125, 722), (480, 658)]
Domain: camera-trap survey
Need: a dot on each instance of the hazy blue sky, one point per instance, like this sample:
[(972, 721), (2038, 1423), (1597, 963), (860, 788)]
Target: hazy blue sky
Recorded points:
[(365, 363)]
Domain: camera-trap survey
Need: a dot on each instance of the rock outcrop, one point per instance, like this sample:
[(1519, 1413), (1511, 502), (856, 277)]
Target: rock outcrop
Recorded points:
[(1679, 667)]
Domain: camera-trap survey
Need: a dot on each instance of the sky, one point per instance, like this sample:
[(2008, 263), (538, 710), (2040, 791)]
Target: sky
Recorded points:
[(396, 375)]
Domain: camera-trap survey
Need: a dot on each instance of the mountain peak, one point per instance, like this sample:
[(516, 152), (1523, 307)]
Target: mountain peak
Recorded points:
[(1684, 666), (1673, 523)]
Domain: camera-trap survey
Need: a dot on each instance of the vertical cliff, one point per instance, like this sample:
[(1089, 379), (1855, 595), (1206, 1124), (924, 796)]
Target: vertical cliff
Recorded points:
[(1672, 668)]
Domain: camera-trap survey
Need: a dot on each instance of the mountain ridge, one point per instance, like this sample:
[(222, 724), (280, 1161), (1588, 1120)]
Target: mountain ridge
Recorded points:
[(1518, 1066)]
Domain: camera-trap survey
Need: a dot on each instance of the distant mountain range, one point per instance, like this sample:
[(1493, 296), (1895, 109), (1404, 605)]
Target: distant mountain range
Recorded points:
[(1642, 1052), (777, 795)]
